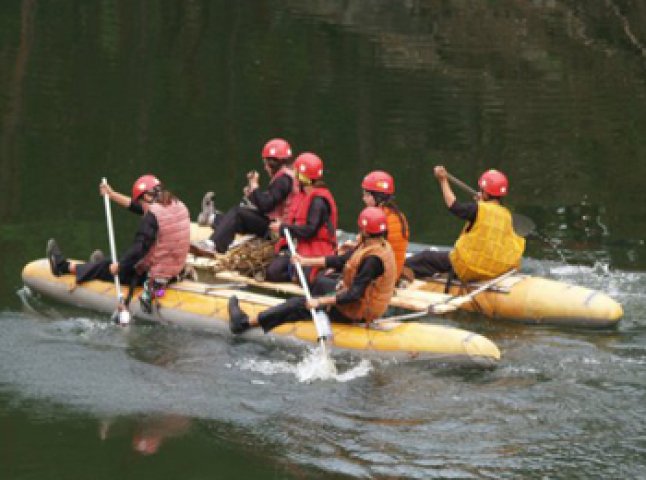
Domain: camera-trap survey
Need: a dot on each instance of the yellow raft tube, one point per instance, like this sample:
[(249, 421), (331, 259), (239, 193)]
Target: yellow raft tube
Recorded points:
[(523, 298), (198, 305)]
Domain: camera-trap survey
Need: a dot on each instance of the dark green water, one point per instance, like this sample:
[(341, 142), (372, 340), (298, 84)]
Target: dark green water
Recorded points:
[(551, 92)]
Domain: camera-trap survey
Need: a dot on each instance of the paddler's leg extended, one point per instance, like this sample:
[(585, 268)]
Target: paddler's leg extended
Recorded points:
[(237, 220), (98, 268), (429, 262), (291, 310)]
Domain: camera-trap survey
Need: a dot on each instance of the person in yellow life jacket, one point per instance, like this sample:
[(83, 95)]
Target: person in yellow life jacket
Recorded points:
[(311, 220), (363, 295), (487, 246), (259, 207), (158, 251)]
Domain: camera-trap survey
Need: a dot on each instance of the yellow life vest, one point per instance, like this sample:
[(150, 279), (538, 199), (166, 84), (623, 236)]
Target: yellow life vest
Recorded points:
[(490, 248)]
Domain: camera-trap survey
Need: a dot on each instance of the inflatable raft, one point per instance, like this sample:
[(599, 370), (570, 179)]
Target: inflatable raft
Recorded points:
[(523, 298), (202, 306)]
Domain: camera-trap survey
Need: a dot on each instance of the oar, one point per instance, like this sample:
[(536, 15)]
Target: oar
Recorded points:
[(121, 315), (523, 225), (452, 304), (321, 320)]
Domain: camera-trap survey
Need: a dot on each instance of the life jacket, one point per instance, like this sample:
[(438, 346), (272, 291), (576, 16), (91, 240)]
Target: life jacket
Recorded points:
[(398, 235), (490, 247), (280, 211), (167, 256), (378, 294), (324, 240)]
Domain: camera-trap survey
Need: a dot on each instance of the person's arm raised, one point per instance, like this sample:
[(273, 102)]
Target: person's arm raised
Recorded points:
[(118, 198)]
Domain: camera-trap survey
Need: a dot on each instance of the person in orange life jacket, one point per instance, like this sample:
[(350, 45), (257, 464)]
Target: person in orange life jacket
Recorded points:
[(368, 283), (487, 246), (261, 206), (311, 220), (378, 191), (160, 245)]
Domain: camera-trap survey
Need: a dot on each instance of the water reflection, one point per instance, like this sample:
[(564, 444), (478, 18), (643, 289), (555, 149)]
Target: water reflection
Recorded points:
[(148, 433)]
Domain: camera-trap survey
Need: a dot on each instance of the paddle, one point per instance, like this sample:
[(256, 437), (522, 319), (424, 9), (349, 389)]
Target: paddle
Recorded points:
[(121, 315), (321, 320), (523, 225), (452, 304)]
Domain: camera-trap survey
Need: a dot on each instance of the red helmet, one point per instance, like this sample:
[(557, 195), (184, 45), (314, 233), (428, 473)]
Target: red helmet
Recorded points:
[(372, 220), (494, 183), (379, 181), (145, 183), (277, 148), (309, 165)]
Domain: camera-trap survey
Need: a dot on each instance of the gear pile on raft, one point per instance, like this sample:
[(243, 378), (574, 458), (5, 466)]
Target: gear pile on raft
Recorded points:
[(283, 240)]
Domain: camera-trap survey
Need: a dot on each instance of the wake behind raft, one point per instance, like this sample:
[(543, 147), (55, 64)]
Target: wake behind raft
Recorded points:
[(202, 306)]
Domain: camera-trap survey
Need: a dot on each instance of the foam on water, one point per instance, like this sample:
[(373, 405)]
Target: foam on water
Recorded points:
[(314, 366)]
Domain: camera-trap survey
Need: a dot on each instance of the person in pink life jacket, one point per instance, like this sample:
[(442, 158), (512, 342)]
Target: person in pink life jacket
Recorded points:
[(311, 220), (158, 251), (259, 207)]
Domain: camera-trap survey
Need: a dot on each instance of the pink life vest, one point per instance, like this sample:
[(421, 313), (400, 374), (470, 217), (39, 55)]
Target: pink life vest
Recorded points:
[(281, 210), (167, 256)]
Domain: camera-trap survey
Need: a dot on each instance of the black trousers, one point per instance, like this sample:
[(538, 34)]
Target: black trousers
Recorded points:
[(294, 309), (237, 220), (101, 271), (428, 263)]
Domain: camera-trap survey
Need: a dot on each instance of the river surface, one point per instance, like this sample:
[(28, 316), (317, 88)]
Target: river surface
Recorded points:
[(552, 92)]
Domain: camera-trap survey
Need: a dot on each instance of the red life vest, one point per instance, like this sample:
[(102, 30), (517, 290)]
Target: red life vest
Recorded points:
[(281, 210), (324, 240), (167, 256)]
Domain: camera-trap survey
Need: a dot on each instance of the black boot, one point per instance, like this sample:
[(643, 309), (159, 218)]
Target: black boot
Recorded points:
[(238, 320), (57, 263)]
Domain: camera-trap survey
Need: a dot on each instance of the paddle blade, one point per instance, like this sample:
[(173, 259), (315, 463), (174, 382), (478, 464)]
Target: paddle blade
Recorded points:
[(322, 323), (523, 225)]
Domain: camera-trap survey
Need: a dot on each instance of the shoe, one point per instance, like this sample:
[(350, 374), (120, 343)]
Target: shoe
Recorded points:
[(96, 257), (203, 248), (55, 257), (207, 215), (238, 320)]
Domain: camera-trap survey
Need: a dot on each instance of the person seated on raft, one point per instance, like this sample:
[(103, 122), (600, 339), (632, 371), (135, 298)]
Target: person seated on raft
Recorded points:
[(378, 191), (262, 206), (311, 220), (160, 246), (363, 295), (487, 246)]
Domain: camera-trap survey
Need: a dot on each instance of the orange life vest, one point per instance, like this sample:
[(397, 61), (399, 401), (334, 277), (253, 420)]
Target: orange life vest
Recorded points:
[(377, 295), (398, 235)]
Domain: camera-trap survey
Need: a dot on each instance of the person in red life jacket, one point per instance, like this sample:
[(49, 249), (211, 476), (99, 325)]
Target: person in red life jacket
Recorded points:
[(160, 246), (487, 246), (378, 191), (260, 206), (311, 220), (363, 295)]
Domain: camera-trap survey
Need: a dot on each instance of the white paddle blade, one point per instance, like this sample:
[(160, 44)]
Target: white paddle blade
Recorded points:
[(124, 317), (322, 323)]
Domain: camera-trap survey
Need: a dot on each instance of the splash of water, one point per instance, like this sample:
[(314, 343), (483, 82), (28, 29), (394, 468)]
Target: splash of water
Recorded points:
[(314, 366)]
